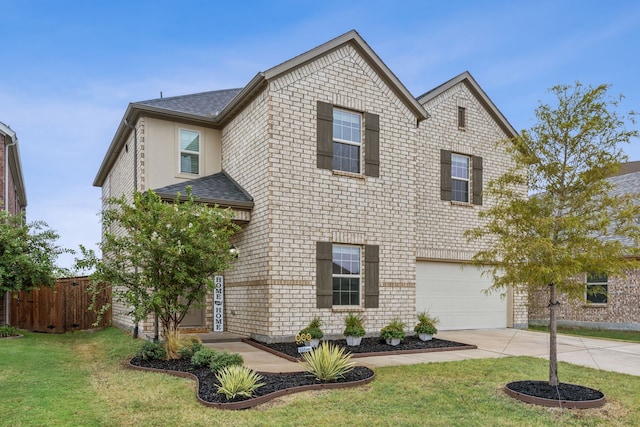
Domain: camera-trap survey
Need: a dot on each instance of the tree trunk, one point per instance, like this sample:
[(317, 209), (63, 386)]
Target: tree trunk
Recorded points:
[(553, 333)]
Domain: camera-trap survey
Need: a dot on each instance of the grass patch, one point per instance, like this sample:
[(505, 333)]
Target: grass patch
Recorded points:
[(80, 379), (632, 336)]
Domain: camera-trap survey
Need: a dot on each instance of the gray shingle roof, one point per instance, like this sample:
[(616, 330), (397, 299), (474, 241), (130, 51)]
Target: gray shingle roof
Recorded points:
[(218, 189), (206, 104)]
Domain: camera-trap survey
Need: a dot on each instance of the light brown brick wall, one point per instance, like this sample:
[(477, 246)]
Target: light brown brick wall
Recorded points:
[(622, 311)]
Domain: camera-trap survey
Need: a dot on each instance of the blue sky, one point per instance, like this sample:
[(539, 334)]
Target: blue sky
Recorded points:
[(70, 68)]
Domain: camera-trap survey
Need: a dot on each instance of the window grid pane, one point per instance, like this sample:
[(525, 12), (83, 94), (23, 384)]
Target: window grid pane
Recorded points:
[(346, 157), (460, 173), (346, 275), (189, 163), (189, 141), (597, 283), (189, 151), (346, 126), (347, 137), (460, 191)]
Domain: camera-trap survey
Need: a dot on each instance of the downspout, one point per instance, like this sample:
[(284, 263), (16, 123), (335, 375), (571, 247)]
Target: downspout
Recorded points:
[(135, 188), (6, 208)]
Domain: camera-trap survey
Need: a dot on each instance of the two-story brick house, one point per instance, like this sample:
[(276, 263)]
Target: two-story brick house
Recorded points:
[(13, 198), (353, 195)]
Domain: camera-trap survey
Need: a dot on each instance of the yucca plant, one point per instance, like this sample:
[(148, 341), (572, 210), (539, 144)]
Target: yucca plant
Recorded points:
[(236, 380), (328, 362)]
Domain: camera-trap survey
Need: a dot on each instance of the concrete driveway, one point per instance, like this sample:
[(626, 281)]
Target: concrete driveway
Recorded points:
[(492, 343)]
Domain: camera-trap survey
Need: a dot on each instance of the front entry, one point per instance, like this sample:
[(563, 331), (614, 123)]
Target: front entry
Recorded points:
[(194, 318)]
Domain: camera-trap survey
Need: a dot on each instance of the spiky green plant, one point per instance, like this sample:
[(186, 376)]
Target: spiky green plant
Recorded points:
[(328, 362), (426, 324), (395, 329), (236, 380), (354, 326)]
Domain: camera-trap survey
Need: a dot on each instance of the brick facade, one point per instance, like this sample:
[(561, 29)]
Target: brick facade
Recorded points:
[(269, 148), (622, 310)]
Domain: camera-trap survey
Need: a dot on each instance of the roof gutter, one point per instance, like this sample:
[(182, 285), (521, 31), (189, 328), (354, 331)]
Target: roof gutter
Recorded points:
[(17, 176)]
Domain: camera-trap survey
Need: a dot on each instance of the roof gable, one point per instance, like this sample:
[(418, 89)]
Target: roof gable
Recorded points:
[(467, 79)]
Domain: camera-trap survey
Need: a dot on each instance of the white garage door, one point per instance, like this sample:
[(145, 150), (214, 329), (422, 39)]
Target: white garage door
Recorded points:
[(454, 294)]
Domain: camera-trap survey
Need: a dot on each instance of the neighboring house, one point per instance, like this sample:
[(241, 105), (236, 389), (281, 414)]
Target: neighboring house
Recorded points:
[(352, 194), (616, 301), (13, 198)]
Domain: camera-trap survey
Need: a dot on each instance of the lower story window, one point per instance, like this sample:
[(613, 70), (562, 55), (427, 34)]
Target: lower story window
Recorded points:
[(597, 286), (346, 275)]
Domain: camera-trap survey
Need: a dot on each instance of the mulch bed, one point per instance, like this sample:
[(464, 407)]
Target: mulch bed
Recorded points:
[(564, 395), (279, 384), (275, 384), (368, 347)]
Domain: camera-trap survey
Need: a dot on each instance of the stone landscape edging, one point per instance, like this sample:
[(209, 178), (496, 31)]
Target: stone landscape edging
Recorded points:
[(356, 355), (250, 403)]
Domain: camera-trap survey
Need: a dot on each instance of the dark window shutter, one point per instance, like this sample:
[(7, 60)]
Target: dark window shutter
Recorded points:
[(445, 175), (324, 281), (372, 145), (372, 276), (477, 180), (325, 135)]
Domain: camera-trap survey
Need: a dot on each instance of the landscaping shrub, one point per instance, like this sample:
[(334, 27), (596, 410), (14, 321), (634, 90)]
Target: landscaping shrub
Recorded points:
[(222, 359), (328, 362), (189, 346), (152, 351), (203, 357), (8, 331), (238, 380)]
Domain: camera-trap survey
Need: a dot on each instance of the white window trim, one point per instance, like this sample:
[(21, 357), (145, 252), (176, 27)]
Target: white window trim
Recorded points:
[(586, 293), (353, 143), (468, 180), (358, 276), (180, 151)]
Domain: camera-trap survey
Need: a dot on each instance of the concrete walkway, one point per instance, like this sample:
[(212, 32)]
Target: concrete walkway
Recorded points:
[(607, 355)]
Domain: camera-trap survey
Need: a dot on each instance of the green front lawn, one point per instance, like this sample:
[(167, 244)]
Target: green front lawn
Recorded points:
[(633, 336), (80, 380)]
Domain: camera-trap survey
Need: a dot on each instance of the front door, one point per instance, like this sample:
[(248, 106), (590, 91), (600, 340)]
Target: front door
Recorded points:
[(194, 318)]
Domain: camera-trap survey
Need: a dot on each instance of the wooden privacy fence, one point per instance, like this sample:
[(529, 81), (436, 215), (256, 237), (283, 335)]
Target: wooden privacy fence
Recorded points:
[(60, 309)]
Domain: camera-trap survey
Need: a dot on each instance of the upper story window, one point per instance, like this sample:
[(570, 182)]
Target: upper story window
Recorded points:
[(347, 141), (462, 118), (189, 151), (343, 144), (597, 286), (460, 178)]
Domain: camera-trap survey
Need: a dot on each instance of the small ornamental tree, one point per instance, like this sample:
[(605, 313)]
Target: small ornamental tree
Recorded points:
[(572, 223), (161, 257), (28, 253)]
